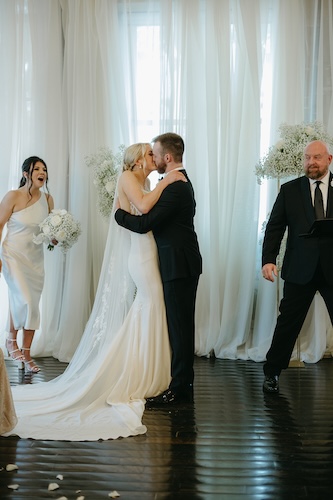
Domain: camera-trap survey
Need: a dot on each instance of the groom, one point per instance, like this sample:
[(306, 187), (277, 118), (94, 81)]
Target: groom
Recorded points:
[(171, 221)]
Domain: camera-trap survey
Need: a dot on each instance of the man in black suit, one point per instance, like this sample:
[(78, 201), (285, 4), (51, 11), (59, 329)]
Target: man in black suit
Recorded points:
[(171, 221), (308, 261)]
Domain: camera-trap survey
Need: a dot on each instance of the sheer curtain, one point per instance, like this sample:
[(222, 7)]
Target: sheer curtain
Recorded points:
[(33, 119), (224, 144), (91, 73)]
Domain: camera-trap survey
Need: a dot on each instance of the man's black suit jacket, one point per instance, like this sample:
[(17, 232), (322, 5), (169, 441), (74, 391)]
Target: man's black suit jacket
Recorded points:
[(171, 221), (293, 209)]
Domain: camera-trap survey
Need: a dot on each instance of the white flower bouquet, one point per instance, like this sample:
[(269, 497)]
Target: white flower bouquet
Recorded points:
[(106, 166), (285, 158), (59, 228)]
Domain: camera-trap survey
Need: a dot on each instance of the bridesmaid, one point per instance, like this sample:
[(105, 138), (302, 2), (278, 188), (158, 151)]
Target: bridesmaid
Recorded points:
[(23, 209)]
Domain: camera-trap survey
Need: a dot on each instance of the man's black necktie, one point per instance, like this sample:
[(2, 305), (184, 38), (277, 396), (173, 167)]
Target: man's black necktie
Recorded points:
[(318, 202)]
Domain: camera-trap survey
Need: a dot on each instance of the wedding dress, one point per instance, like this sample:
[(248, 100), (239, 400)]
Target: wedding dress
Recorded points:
[(123, 356), (23, 264)]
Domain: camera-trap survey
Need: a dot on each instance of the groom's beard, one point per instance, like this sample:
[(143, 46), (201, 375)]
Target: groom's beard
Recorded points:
[(161, 167)]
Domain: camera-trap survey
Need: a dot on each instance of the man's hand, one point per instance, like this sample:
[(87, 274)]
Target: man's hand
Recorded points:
[(269, 271)]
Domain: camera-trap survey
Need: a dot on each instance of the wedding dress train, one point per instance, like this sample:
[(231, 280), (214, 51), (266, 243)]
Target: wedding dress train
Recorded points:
[(123, 357)]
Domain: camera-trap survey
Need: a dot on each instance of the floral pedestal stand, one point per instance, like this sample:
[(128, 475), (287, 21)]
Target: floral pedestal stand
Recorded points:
[(297, 363)]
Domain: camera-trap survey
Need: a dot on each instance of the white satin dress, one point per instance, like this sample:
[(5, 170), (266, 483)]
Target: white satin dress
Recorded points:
[(23, 264), (118, 363)]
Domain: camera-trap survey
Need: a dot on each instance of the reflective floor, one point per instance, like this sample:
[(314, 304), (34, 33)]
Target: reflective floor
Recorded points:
[(232, 443)]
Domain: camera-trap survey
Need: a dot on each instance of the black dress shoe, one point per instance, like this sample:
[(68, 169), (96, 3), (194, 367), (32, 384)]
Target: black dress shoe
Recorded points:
[(168, 397), (271, 384)]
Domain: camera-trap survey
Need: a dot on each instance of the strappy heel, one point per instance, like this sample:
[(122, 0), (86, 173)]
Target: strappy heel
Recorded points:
[(18, 358), (30, 366)]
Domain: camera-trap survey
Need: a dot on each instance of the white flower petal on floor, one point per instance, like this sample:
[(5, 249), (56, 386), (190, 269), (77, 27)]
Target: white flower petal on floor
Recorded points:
[(11, 467), (53, 486), (114, 494)]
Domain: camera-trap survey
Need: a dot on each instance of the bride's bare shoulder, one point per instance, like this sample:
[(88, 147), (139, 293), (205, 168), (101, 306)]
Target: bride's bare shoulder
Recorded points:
[(126, 174)]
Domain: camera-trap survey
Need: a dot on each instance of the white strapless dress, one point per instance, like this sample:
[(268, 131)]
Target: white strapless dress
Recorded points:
[(23, 264), (118, 363)]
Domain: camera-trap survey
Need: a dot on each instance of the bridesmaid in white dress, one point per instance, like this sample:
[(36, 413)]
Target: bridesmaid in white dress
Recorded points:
[(124, 354), (23, 209)]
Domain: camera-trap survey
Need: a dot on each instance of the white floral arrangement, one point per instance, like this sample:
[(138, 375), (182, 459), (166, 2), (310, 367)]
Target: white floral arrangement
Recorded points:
[(285, 158), (106, 165), (60, 229)]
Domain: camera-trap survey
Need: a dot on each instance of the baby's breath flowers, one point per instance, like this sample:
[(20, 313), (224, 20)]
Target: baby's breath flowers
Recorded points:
[(285, 158), (59, 226), (106, 165)]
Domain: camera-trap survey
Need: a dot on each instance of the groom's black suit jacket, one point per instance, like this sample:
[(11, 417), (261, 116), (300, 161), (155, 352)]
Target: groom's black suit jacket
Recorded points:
[(171, 221), (293, 209)]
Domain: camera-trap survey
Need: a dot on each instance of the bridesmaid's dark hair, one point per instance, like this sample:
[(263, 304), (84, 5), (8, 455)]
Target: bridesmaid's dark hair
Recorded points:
[(28, 166)]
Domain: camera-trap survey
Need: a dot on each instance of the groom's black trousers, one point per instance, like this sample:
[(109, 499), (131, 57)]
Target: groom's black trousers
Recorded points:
[(179, 297), (294, 306)]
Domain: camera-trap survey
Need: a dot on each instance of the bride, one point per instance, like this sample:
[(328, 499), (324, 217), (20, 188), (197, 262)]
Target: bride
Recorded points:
[(124, 353)]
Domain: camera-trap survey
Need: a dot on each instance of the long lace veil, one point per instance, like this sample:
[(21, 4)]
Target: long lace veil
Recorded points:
[(114, 296)]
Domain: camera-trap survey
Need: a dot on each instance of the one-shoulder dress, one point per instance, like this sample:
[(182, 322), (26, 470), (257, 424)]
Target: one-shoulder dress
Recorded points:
[(23, 264)]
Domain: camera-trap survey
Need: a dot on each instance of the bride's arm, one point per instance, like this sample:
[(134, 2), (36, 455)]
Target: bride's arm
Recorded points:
[(144, 202)]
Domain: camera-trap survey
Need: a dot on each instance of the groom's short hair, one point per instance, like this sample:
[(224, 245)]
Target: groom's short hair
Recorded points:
[(171, 143)]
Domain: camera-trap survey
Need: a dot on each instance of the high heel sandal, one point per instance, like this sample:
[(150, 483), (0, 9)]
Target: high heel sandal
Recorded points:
[(20, 357), (30, 366)]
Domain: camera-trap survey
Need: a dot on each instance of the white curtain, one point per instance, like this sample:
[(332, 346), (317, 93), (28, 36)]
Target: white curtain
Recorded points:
[(33, 121), (77, 75)]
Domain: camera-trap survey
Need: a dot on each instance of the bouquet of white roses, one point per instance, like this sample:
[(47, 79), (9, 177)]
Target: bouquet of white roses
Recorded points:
[(59, 228), (106, 167)]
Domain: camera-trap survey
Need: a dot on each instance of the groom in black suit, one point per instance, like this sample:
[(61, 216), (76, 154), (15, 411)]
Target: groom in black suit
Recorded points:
[(171, 221), (308, 261)]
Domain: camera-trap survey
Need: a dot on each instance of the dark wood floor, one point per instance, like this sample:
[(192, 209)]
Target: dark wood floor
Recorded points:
[(232, 443)]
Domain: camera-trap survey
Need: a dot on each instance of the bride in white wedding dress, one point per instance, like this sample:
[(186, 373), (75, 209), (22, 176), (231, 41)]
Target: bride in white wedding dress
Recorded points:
[(124, 354)]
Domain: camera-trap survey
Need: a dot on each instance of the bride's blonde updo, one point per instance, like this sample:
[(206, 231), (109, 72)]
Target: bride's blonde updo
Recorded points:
[(134, 153)]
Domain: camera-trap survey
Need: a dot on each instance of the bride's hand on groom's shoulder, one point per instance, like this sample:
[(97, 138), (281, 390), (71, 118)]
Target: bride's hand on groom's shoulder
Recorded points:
[(174, 176)]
